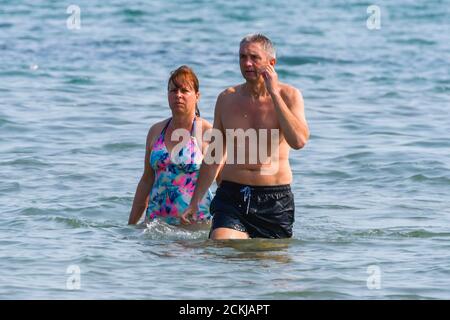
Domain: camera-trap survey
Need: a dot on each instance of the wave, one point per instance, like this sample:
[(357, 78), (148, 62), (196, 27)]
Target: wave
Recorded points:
[(393, 233), (415, 41), (308, 294), (80, 81), (339, 234), (121, 146), (298, 60), (441, 180), (159, 230), (132, 13), (5, 122), (29, 162), (10, 187)]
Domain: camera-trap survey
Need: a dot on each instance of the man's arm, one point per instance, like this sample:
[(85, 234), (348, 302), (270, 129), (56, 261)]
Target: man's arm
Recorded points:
[(289, 108), (209, 169), (291, 116)]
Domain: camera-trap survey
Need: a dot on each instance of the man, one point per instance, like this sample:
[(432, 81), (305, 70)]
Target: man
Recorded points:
[(254, 200)]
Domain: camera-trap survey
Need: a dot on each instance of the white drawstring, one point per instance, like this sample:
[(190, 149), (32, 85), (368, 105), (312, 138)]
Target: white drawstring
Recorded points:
[(247, 196)]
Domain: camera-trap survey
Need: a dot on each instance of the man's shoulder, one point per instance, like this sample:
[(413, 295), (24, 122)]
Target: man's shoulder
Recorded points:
[(230, 91), (289, 90), (227, 96)]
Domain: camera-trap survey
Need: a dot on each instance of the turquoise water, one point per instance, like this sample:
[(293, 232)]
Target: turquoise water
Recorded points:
[(371, 187)]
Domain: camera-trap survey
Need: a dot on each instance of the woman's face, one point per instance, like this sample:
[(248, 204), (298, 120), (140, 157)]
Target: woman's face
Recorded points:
[(182, 98)]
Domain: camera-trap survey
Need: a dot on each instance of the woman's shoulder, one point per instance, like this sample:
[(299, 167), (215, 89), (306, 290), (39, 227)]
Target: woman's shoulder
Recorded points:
[(158, 126), (156, 129)]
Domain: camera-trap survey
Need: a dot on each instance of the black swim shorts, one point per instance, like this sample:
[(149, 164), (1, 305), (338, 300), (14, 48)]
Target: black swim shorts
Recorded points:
[(261, 211)]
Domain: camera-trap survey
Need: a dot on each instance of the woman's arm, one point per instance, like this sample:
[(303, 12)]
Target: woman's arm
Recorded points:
[(145, 185)]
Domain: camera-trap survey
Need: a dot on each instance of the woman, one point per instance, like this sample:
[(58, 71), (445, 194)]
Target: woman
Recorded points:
[(169, 178)]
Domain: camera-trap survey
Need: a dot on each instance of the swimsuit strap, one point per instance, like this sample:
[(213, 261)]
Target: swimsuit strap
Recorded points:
[(165, 127), (193, 125), (161, 136), (168, 122), (196, 142)]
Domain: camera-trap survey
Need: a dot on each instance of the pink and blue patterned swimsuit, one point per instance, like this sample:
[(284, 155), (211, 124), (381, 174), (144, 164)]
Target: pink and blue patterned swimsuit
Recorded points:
[(175, 181)]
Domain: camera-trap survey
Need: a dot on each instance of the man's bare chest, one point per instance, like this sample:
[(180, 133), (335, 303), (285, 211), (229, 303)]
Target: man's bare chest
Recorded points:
[(246, 115)]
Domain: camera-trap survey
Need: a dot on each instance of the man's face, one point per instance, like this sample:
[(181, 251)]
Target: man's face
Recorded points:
[(251, 58)]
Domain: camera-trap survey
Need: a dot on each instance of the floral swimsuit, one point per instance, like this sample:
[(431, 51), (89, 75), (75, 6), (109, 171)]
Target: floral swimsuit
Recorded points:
[(175, 181)]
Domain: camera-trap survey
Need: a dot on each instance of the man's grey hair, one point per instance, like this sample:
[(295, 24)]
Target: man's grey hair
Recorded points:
[(265, 42)]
